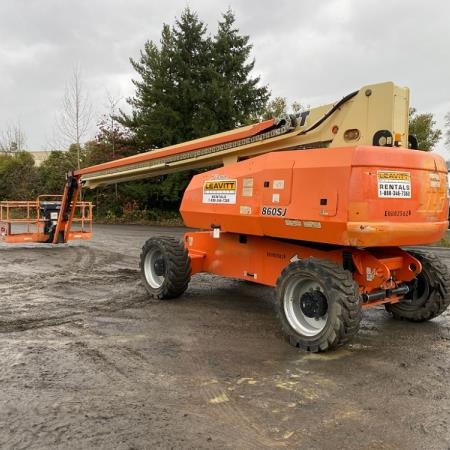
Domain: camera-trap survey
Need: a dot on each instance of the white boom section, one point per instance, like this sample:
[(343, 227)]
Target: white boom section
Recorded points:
[(375, 115)]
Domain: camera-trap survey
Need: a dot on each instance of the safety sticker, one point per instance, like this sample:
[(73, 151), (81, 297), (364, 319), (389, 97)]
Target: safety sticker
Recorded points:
[(247, 187), (220, 191), (435, 180), (393, 184)]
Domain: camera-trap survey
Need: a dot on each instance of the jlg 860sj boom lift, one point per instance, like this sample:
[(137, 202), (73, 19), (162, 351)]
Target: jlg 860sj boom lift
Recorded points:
[(315, 205)]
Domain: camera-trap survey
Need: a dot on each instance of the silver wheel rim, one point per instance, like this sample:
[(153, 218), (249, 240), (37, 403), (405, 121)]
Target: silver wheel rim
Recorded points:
[(302, 324), (155, 281)]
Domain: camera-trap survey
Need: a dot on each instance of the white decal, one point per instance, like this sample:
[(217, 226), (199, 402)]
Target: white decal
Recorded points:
[(220, 191), (311, 224), (247, 187), (293, 222), (393, 184), (278, 184), (435, 180)]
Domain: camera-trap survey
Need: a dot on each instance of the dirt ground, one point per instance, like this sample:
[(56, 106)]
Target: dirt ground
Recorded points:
[(88, 361)]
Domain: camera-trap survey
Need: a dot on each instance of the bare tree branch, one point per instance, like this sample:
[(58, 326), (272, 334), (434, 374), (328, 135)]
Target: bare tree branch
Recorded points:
[(112, 103), (75, 118), (12, 139)]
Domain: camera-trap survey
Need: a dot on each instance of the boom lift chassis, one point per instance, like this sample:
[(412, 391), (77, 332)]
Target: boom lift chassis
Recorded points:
[(309, 220)]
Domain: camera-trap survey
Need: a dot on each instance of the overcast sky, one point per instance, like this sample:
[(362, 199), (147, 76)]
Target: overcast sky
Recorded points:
[(310, 51)]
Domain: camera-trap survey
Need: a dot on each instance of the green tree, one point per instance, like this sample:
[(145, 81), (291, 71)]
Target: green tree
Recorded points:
[(192, 68), (191, 85), (423, 127), (275, 108), (278, 106), (154, 120), (237, 96), (169, 103), (18, 177), (111, 142), (52, 172)]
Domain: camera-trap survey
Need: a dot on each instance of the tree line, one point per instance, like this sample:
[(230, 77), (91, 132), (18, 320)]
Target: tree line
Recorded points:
[(189, 85)]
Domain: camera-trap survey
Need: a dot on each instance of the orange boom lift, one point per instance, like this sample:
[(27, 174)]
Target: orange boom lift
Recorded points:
[(316, 205)]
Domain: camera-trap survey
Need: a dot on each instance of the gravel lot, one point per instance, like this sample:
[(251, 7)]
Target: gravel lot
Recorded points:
[(88, 361)]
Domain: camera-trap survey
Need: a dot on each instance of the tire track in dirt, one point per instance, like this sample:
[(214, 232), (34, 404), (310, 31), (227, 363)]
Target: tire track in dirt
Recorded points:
[(20, 325), (100, 360)]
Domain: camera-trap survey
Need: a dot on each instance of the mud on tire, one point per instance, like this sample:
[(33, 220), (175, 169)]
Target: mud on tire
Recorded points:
[(431, 296), (165, 267), (319, 305)]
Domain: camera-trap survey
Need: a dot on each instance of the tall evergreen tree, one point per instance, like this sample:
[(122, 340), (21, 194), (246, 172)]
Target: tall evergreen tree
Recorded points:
[(192, 68), (154, 120), (191, 85), (239, 99)]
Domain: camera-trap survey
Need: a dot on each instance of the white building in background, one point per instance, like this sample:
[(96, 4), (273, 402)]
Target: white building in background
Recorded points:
[(40, 157)]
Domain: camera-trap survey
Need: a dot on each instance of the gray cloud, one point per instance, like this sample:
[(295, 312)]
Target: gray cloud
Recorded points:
[(312, 52)]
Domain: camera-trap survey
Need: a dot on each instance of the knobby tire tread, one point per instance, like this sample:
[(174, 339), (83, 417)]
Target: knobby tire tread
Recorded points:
[(345, 292), (439, 298), (178, 267)]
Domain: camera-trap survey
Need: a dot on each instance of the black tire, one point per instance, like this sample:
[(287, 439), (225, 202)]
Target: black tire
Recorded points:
[(165, 267), (317, 283), (431, 295)]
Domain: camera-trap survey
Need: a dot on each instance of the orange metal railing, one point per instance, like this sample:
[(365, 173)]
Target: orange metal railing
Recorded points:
[(22, 221)]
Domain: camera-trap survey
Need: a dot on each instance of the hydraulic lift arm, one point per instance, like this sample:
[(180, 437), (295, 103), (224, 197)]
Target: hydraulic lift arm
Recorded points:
[(375, 115), (68, 206)]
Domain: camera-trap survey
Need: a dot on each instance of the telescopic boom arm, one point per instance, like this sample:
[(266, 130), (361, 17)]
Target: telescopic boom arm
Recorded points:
[(375, 115)]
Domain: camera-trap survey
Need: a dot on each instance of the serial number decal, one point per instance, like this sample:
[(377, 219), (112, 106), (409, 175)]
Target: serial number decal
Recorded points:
[(397, 213), (393, 184), (276, 255), (277, 212), (220, 191)]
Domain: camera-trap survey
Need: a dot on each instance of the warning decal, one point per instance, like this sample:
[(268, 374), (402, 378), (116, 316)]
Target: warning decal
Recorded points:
[(392, 184), (220, 191)]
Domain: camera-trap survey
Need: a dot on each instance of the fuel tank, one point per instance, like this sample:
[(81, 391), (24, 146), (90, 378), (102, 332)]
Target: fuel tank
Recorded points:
[(352, 196)]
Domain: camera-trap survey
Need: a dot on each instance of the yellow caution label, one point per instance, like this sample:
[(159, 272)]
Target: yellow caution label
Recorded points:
[(394, 176)]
